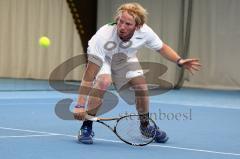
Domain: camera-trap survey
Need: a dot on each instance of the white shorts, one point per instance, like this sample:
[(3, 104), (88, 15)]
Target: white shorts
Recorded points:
[(121, 71)]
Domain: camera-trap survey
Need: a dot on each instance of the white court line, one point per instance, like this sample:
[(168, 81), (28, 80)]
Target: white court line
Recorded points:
[(33, 131), (192, 105), (178, 148), (114, 141), (25, 136)]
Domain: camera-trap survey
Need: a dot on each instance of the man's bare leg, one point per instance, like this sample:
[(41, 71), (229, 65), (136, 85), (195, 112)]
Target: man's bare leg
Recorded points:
[(142, 105), (96, 95)]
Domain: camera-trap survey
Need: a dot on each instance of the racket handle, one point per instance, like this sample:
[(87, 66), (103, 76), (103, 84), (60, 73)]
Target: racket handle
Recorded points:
[(91, 118)]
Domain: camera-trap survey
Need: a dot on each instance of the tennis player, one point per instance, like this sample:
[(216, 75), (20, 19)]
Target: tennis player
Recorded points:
[(112, 58)]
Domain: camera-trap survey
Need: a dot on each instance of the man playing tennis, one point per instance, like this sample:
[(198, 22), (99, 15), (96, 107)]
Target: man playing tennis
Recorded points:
[(112, 51)]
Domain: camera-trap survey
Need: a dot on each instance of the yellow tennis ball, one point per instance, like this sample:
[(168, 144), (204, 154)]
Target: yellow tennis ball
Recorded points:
[(44, 41)]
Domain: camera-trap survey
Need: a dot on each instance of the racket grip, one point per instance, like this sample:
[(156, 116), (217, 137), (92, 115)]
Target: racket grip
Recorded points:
[(91, 118)]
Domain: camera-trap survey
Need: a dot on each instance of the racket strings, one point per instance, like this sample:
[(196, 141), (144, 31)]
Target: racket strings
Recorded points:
[(129, 130)]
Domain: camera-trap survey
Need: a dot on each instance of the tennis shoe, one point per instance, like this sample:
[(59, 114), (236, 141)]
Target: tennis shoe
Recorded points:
[(85, 135), (150, 131)]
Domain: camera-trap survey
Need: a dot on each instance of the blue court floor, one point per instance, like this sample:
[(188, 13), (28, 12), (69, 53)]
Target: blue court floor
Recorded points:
[(200, 123)]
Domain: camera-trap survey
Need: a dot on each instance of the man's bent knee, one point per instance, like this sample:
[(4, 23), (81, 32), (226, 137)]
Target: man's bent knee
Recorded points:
[(103, 82)]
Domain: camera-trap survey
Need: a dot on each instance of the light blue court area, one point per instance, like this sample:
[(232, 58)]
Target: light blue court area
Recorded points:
[(200, 124)]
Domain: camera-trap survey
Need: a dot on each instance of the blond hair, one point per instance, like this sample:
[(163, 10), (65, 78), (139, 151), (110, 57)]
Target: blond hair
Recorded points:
[(135, 10)]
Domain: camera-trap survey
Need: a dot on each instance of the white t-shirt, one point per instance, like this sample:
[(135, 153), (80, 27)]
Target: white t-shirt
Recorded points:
[(105, 43)]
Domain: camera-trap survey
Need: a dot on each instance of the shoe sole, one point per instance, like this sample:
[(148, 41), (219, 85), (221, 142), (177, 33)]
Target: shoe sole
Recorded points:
[(162, 141), (86, 140)]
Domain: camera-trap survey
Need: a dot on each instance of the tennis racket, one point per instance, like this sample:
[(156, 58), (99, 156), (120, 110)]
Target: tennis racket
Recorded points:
[(127, 128)]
